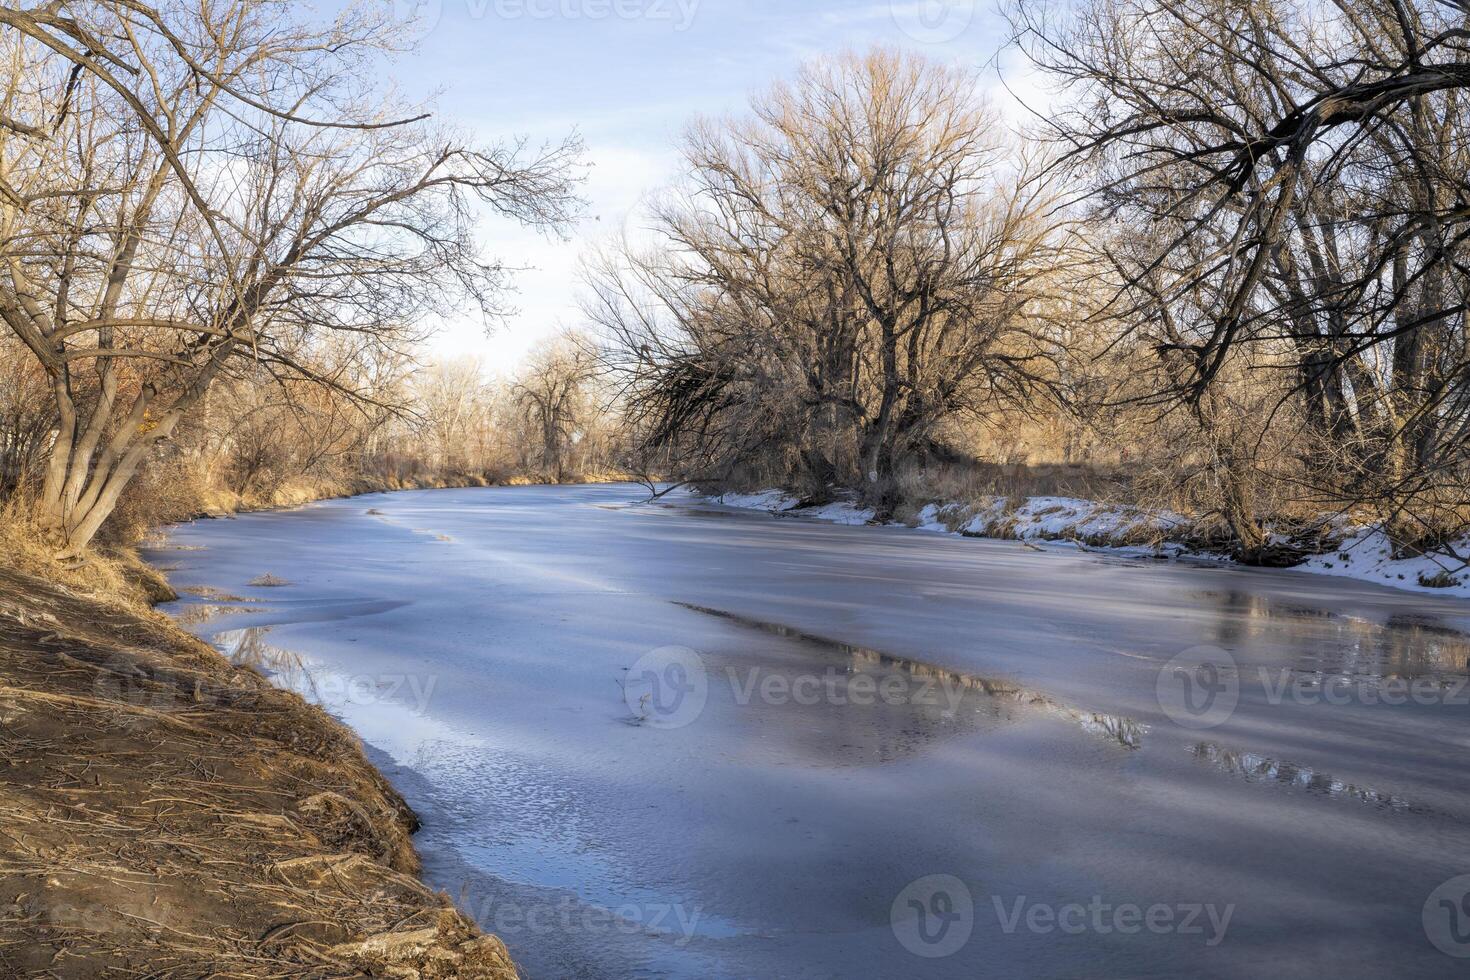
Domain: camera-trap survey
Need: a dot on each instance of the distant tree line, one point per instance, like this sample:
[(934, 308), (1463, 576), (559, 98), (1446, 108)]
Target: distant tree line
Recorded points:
[(258, 440)]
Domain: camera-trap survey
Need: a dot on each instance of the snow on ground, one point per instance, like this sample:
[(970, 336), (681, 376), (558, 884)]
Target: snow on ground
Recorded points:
[(1367, 554), (771, 500), (1364, 553), (1056, 519), (779, 501), (1038, 518)]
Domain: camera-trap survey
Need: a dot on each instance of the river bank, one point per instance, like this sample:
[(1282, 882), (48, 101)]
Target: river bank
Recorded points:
[(1340, 547), (167, 813)]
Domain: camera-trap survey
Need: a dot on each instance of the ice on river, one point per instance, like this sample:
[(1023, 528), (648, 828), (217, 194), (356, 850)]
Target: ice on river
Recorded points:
[(676, 739)]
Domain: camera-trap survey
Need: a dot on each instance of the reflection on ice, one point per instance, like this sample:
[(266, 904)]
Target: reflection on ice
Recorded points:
[(935, 700), (392, 705), (212, 594), (247, 647), (1404, 646), (196, 613)]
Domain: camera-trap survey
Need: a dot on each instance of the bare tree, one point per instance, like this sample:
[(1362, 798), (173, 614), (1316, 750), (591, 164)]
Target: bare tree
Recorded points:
[(27, 417), (845, 270), (1291, 179), (193, 188), (552, 391), (453, 403)]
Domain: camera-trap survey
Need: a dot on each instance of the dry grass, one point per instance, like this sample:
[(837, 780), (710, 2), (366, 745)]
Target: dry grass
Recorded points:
[(169, 815), (981, 482), (111, 575), (304, 490), (269, 581)]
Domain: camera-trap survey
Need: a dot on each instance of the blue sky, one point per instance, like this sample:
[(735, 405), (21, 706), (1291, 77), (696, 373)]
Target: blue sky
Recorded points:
[(629, 75)]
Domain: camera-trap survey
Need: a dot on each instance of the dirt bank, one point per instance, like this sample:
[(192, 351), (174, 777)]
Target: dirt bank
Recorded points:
[(166, 814)]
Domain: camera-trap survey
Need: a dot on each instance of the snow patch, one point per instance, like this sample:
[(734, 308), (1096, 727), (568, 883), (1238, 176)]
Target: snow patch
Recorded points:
[(774, 501), (1070, 518), (1365, 553), (779, 501)]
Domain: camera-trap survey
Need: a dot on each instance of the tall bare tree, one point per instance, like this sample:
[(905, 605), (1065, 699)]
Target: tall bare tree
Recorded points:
[(187, 188), (847, 268), (552, 390), (1291, 180), (455, 412)]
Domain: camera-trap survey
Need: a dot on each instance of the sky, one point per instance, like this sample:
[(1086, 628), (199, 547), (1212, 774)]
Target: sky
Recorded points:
[(629, 75)]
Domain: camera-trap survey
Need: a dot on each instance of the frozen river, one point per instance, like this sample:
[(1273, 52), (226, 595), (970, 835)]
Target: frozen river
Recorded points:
[(674, 739)]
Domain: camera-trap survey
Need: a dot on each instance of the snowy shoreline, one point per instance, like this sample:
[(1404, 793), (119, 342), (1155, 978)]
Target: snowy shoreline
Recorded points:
[(1363, 553)]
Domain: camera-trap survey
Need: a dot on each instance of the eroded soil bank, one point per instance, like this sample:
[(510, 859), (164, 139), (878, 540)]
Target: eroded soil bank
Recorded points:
[(164, 813)]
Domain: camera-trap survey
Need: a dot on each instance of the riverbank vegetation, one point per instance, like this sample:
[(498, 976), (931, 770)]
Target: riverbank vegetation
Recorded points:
[(1221, 271), (170, 814), (1218, 269), (221, 238), (260, 444)]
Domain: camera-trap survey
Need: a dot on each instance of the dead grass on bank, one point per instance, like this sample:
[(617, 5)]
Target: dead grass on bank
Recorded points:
[(168, 815), (111, 574), (177, 500), (165, 814), (983, 480), (25, 548), (111, 570), (176, 494)]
